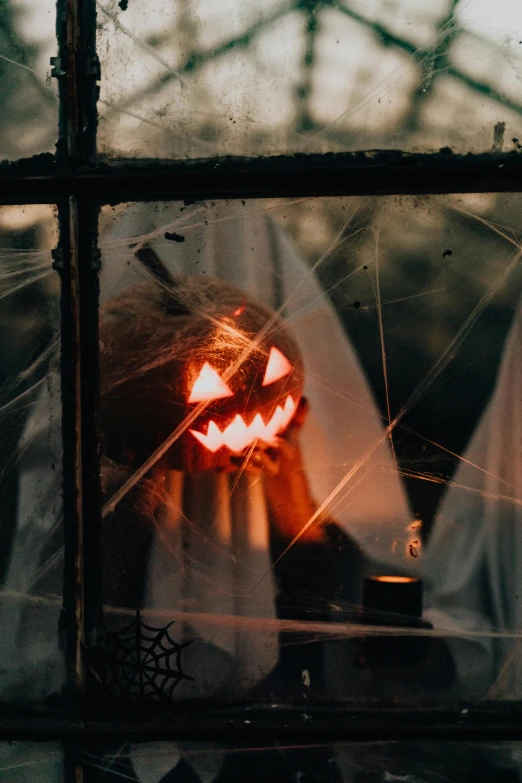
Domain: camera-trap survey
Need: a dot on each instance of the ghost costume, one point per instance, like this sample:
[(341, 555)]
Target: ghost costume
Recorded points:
[(226, 570), (242, 246), (472, 560)]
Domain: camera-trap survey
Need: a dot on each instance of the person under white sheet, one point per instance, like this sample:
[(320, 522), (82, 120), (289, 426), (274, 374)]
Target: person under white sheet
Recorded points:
[(473, 561), (241, 245)]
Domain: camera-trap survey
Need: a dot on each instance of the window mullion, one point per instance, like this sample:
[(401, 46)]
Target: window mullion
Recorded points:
[(77, 71)]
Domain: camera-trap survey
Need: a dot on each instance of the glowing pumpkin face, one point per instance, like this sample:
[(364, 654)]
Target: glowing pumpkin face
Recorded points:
[(238, 435), (203, 354)]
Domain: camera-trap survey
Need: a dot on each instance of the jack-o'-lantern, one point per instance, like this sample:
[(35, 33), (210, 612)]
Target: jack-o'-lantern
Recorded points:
[(198, 351)]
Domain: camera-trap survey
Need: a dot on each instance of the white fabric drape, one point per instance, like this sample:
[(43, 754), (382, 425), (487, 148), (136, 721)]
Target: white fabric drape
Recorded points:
[(211, 555), (474, 559)]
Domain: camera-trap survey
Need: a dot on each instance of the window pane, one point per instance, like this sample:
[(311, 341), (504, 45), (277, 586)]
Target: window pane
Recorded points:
[(203, 78), (31, 762), (31, 561), (412, 762), (28, 99), (292, 397)]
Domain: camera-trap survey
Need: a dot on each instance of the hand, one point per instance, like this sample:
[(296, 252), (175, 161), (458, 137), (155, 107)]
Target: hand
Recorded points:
[(287, 488)]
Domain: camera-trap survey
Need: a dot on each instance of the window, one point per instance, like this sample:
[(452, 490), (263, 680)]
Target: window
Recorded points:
[(254, 365)]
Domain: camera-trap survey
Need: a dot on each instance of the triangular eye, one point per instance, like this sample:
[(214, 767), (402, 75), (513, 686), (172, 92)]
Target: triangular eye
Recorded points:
[(209, 386), (278, 366)]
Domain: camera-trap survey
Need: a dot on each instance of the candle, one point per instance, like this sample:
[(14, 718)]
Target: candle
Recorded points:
[(391, 600), (400, 595)]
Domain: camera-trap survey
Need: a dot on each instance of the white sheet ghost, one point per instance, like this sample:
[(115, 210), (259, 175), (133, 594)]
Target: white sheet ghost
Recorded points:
[(243, 246), (343, 434), (473, 562)]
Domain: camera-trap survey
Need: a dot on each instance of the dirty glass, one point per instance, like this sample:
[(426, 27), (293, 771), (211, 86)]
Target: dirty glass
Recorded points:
[(204, 78), (306, 494), (28, 96), (384, 762), (31, 562), (31, 762)]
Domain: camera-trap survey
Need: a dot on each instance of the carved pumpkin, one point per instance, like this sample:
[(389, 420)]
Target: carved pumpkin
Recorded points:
[(198, 345)]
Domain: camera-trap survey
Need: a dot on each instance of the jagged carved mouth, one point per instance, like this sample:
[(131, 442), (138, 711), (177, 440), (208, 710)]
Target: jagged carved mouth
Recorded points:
[(238, 435)]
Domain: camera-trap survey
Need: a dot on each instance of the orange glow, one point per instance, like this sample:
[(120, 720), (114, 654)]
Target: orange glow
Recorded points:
[(238, 435), (209, 386), (278, 366), (395, 579)]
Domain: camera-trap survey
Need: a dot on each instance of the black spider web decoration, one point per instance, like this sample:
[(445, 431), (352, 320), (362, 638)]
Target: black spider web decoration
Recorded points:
[(142, 663)]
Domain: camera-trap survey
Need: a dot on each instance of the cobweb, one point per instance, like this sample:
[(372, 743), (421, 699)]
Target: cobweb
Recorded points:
[(447, 282), (425, 288)]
